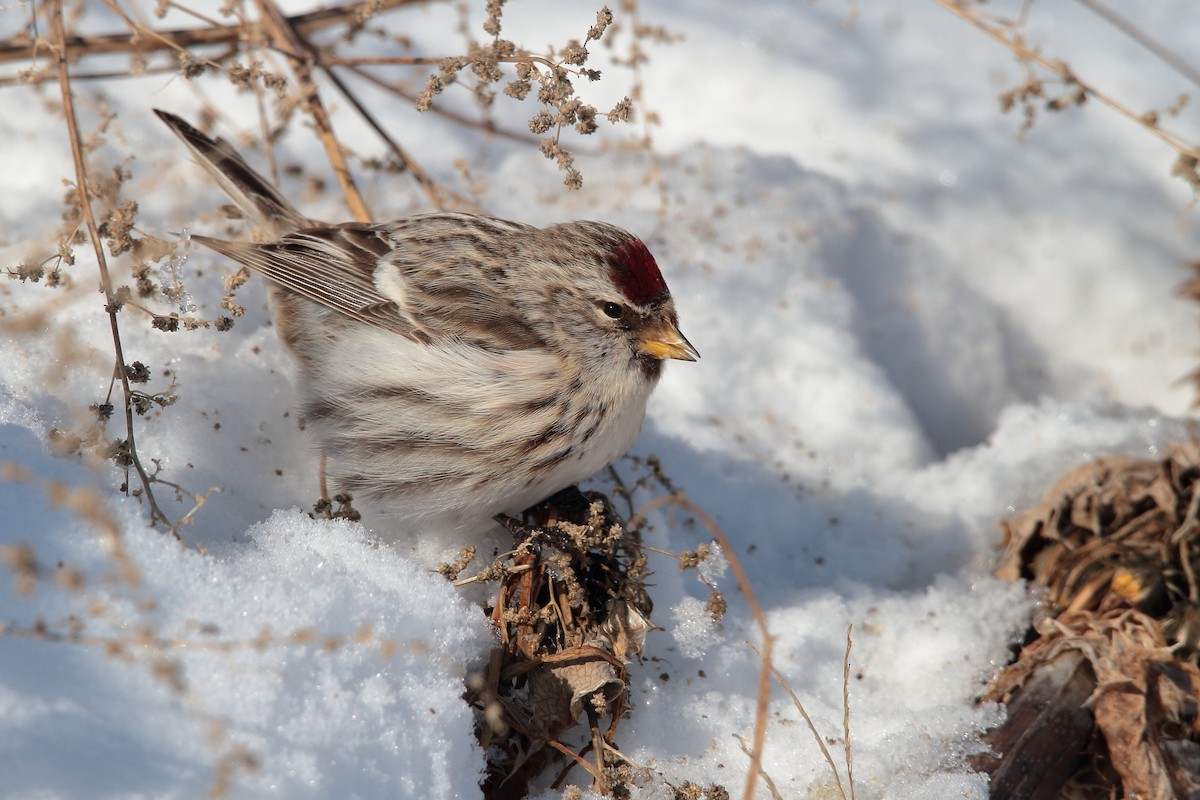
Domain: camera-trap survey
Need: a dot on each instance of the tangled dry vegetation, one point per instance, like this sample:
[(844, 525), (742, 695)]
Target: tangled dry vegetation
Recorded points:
[(1104, 696)]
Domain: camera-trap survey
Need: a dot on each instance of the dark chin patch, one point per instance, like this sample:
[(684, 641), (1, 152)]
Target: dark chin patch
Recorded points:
[(650, 367), (636, 274)]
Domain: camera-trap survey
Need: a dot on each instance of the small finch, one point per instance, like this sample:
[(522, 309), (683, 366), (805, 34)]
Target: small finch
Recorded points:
[(453, 367)]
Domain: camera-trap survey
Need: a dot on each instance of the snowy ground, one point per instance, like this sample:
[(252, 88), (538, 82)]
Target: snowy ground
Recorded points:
[(910, 323)]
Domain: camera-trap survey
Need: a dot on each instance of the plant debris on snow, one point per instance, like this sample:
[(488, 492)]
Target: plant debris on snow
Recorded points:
[(1104, 697)]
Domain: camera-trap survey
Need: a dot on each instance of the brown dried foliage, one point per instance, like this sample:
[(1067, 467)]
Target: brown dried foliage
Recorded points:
[(571, 610), (1105, 699)]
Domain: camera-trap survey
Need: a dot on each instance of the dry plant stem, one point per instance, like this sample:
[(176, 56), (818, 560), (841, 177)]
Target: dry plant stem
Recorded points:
[(433, 191), (775, 795), (462, 119), (264, 125), (1138, 35), (139, 28), (46, 76), (846, 709), (837, 777), (764, 673), (288, 41), (1063, 72), (18, 47), (85, 206), (376, 61)]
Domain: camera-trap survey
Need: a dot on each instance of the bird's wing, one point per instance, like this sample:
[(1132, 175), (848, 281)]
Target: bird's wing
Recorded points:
[(412, 277), (330, 265)]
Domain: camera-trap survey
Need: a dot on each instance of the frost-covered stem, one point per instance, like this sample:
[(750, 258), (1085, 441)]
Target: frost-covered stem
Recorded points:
[(85, 208)]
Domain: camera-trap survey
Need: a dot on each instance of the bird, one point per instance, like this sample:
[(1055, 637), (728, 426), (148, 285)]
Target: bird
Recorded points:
[(454, 366)]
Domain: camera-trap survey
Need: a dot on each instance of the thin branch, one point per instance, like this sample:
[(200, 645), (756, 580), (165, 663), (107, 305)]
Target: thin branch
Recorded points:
[(288, 40), (1062, 71), (85, 207), (51, 74), (17, 48), (437, 194), (1144, 39)]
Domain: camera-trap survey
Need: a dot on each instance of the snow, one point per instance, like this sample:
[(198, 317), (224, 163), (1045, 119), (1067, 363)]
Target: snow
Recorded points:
[(911, 322)]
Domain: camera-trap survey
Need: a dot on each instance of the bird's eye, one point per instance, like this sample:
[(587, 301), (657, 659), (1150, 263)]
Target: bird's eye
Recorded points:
[(614, 310)]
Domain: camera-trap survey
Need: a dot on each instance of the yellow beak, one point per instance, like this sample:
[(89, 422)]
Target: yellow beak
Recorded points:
[(667, 342)]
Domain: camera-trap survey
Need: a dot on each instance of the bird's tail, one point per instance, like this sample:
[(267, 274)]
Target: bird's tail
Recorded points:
[(257, 199)]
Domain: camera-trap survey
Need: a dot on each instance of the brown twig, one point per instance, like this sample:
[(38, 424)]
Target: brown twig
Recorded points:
[(304, 58), (85, 207), (1063, 72), (51, 74), (301, 55), (764, 673), (17, 48), (436, 193), (487, 126)]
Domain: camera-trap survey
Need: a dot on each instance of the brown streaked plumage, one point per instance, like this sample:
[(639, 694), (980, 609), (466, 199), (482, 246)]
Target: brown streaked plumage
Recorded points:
[(455, 366)]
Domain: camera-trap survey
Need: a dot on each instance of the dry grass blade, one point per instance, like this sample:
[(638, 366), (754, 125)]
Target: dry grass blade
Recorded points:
[(837, 777), (85, 207), (764, 673), (846, 711)]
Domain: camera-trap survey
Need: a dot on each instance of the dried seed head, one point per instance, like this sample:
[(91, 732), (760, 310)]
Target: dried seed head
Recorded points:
[(604, 18), (574, 53), (518, 89), (621, 112), (541, 122), (587, 119), (492, 25), (433, 86)]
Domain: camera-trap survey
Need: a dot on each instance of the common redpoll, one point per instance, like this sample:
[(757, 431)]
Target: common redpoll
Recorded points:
[(455, 366)]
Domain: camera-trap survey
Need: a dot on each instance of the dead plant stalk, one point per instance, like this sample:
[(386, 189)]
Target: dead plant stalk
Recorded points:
[(300, 54), (1064, 73), (85, 205), (145, 40)]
